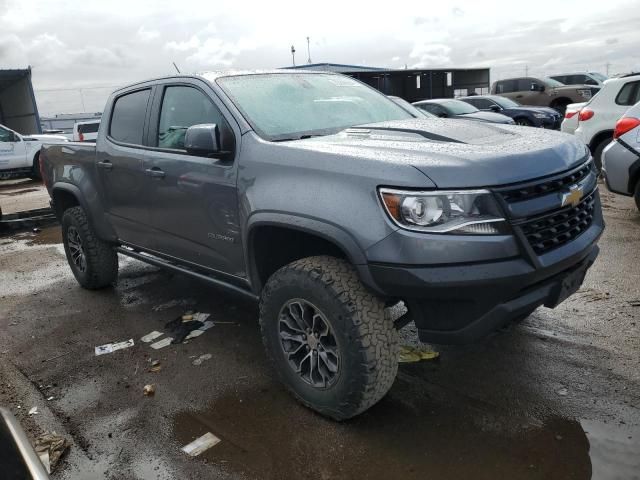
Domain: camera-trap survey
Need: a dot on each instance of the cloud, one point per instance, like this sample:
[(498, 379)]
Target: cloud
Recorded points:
[(431, 55), (147, 35), (184, 46)]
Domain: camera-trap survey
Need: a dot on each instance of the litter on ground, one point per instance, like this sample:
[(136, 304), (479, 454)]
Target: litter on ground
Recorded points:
[(201, 444), (33, 411), (162, 343), (50, 447), (202, 358), (149, 390), (112, 347), (151, 336), (413, 354)]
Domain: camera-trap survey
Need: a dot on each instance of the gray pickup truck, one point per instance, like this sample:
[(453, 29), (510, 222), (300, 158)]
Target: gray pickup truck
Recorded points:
[(322, 199)]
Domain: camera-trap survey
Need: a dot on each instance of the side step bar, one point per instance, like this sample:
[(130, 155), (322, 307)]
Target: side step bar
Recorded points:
[(180, 269)]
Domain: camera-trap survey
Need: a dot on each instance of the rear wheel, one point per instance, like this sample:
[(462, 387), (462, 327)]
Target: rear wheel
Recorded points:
[(328, 337), (93, 262), (636, 195), (523, 121), (35, 169), (597, 152)]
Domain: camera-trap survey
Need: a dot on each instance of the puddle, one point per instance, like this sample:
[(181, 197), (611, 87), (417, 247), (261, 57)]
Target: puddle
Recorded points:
[(408, 435), (614, 450), (46, 236)]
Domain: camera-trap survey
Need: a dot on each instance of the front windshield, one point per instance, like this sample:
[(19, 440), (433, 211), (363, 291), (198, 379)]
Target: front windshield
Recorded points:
[(553, 83), (283, 106), (457, 107), (505, 102)]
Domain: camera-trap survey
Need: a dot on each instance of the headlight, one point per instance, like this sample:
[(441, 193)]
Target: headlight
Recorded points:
[(473, 212), (584, 92), (540, 115)]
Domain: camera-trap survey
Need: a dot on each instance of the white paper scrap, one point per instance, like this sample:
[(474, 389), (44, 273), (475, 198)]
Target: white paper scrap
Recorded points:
[(162, 343), (151, 336), (112, 347), (201, 444), (194, 334), (33, 411), (207, 325), (200, 317)]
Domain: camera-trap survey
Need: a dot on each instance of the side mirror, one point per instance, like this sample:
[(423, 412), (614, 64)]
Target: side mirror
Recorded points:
[(202, 140), (537, 88), (495, 108)]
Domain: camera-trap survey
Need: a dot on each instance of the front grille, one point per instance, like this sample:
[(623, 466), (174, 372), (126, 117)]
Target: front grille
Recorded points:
[(550, 231), (555, 184)]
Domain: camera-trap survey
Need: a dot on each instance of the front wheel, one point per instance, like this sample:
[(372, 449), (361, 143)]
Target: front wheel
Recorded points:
[(93, 262), (636, 195), (328, 337), (35, 168), (597, 152)]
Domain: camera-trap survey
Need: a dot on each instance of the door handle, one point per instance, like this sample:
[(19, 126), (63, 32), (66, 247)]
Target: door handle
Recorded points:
[(106, 164), (154, 172)]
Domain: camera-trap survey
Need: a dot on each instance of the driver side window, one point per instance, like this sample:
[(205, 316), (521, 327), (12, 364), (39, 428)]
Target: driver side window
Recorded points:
[(183, 107), (6, 135)]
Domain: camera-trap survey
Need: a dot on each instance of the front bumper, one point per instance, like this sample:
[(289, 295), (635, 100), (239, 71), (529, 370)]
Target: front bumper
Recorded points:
[(460, 302)]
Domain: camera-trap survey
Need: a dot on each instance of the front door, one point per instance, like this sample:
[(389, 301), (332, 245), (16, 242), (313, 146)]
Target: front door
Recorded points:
[(193, 200), (119, 156), (13, 152)]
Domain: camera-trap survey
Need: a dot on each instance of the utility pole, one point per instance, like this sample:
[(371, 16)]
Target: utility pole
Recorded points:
[(308, 52), (293, 55), (526, 70), (606, 66)]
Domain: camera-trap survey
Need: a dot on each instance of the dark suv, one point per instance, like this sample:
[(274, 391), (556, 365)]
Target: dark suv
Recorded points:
[(327, 203), (543, 117)]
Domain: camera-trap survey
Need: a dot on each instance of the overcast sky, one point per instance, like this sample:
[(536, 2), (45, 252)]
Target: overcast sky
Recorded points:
[(72, 44)]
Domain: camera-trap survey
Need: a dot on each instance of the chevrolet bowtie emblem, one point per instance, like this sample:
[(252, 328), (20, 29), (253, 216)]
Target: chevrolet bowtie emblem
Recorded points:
[(573, 196)]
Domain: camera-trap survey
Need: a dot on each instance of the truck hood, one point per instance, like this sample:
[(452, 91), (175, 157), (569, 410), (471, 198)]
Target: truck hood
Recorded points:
[(48, 138), (455, 154)]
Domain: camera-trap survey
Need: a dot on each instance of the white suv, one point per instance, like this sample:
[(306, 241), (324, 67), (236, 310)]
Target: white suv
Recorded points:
[(597, 119)]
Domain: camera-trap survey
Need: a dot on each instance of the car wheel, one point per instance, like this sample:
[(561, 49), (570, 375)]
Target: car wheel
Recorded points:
[(328, 337), (636, 195), (93, 262), (524, 122), (560, 107), (35, 169), (597, 152)]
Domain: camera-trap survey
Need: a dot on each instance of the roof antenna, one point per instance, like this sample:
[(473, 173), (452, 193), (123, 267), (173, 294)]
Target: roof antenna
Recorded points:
[(176, 67), (293, 55), (308, 52)]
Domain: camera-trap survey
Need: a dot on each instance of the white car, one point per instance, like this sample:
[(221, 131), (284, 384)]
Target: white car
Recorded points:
[(86, 131), (20, 154), (597, 119), (580, 78), (570, 121), (621, 158)]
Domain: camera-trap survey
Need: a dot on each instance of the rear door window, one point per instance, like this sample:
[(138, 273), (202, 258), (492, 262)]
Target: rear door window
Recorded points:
[(506, 86), (629, 94), (482, 103), (88, 127), (183, 107), (127, 119)]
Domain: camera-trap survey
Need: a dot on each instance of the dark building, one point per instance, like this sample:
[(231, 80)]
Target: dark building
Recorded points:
[(414, 84)]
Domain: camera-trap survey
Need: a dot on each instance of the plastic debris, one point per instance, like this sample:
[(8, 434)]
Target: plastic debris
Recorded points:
[(33, 411), (413, 354), (155, 366), (112, 347), (563, 392), (151, 336), (162, 343), (199, 331), (49, 399), (201, 359), (201, 444), (149, 390), (50, 447), (201, 317)]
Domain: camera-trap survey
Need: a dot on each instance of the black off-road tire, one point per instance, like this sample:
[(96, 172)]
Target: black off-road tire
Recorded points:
[(35, 169), (366, 339), (636, 195), (524, 122), (597, 152), (101, 260)]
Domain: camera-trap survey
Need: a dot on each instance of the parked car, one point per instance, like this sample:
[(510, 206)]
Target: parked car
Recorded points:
[(320, 198), (580, 78), (86, 131), (570, 121), (416, 112), (543, 92), (621, 158), (597, 119), (450, 108), (525, 115), (20, 154)]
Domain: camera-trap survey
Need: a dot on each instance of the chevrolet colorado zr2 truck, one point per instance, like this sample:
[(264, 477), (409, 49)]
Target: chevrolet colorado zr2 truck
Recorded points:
[(327, 203)]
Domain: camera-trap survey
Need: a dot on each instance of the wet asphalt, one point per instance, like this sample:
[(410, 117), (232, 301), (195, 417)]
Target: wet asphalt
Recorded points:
[(556, 397)]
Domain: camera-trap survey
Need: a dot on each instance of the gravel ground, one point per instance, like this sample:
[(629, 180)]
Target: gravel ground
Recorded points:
[(557, 396)]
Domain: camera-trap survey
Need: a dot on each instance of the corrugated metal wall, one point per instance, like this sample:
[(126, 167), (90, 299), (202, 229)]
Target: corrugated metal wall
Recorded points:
[(18, 109)]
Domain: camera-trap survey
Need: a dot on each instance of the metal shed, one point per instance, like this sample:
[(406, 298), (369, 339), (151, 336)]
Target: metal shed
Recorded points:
[(18, 109)]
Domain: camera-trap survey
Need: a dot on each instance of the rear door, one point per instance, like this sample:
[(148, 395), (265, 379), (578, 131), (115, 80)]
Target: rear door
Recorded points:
[(13, 153), (120, 154), (193, 199)]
